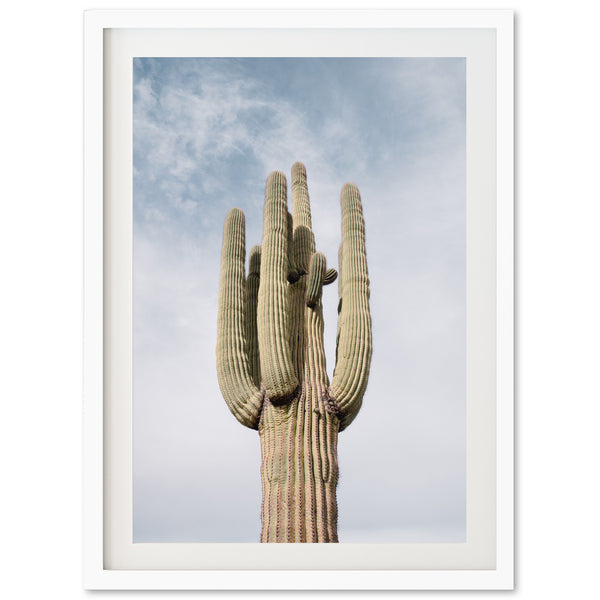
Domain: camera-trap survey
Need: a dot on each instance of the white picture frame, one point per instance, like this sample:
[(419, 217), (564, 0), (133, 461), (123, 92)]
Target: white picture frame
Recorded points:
[(110, 562)]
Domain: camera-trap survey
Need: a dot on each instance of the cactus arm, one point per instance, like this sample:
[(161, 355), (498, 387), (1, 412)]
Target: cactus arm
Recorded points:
[(354, 346), (300, 198), (314, 282), (242, 396), (330, 276), (252, 285), (276, 367), (304, 239)]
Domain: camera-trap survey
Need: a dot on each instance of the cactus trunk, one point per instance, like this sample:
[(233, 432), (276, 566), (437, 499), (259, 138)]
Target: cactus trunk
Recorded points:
[(271, 358), (299, 471), (299, 441)]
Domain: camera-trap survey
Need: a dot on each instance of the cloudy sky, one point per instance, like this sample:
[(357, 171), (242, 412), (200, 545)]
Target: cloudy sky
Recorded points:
[(207, 132)]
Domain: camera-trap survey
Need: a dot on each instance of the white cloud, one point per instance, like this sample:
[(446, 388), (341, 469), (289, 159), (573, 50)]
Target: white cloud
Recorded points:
[(229, 118)]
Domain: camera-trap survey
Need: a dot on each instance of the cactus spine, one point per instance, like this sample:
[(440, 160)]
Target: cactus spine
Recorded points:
[(271, 359)]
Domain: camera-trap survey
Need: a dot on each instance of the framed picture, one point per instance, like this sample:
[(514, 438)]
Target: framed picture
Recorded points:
[(247, 425)]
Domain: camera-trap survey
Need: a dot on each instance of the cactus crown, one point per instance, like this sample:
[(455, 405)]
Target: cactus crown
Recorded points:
[(254, 354)]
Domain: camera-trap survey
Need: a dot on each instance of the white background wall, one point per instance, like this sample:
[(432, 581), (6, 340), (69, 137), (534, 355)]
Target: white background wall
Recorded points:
[(557, 276)]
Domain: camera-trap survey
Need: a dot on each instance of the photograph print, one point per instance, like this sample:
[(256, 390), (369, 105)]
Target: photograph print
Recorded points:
[(299, 300)]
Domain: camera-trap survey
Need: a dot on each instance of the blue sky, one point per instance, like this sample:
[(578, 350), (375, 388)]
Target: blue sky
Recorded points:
[(207, 132)]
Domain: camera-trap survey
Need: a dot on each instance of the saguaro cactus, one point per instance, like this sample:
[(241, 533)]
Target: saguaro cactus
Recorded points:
[(271, 359)]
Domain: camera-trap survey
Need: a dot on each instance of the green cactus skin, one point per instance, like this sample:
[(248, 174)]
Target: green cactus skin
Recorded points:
[(271, 359)]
